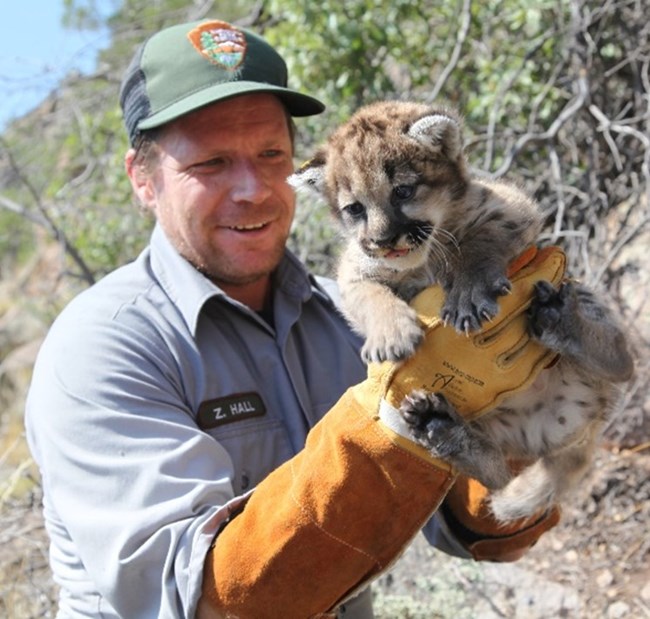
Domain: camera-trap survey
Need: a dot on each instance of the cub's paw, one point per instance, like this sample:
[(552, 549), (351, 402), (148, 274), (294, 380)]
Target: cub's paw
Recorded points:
[(471, 301), (434, 422), (392, 340), (553, 313)]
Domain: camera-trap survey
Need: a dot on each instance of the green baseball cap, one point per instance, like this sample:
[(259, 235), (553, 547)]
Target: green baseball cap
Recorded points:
[(185, 67)]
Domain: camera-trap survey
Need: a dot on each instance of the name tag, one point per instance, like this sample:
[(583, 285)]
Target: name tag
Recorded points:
[(229, 409)]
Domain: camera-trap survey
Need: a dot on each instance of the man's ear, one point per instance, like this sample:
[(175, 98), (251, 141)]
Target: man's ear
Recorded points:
[(141, 181), (310, 175), (440, 133)]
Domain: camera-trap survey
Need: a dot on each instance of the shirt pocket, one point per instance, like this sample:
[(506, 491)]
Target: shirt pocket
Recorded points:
[(256, 447)]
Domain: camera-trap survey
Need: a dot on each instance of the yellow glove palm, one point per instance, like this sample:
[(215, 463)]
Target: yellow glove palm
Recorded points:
[(476, 372)]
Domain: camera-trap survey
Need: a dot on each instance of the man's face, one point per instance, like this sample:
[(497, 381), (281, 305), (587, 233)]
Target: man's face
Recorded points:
[(219, 188)]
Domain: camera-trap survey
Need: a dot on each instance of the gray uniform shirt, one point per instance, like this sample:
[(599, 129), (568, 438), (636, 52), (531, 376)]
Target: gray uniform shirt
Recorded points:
[(157, 403)]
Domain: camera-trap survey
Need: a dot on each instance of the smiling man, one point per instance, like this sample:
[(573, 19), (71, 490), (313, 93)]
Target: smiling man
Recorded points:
[(219, 191), (208, 440)]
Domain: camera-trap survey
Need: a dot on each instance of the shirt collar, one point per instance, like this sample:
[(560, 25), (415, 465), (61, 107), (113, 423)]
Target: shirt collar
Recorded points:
[(189, 290)]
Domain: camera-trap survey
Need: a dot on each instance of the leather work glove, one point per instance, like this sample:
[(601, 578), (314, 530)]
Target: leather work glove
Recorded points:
[(466, 512), (476, 372), (324, 524)]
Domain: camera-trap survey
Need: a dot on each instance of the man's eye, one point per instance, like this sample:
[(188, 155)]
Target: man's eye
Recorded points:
[(279, 155), (403, 192), (355, 210), (211, 163)]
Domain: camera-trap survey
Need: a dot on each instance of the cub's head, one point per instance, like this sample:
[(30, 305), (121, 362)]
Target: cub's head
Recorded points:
[(391, 175)]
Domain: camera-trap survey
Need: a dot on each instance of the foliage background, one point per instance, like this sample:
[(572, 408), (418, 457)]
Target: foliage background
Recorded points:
[(555, 94)]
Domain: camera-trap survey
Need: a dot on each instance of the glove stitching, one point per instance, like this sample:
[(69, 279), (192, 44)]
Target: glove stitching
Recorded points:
[(308, 517), (507, 359)]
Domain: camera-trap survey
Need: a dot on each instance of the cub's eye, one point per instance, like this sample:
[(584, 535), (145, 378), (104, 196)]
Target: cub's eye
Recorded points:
[(403, 192), (355, 210)]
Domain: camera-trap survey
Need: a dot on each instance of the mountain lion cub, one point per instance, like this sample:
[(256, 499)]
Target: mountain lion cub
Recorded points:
[(396, 178)]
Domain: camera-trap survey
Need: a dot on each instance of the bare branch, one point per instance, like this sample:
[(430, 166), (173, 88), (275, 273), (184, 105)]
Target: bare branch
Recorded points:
[(503, 88), (571, 109), (43, 218), (465, 19)]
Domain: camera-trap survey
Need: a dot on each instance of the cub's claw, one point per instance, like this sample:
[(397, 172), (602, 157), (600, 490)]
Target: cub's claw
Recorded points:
[(549, 304), (394, 342), (553, 315), (471, 301)]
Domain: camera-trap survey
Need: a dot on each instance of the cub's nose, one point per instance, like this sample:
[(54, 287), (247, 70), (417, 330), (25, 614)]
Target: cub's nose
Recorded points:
[(385, 241)]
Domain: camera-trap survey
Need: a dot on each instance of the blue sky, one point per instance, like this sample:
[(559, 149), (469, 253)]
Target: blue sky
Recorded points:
[(36, 53)]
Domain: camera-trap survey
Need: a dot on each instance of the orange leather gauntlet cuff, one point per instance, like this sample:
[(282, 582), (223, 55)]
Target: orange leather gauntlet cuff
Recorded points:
[(468, 516), (324, 523)]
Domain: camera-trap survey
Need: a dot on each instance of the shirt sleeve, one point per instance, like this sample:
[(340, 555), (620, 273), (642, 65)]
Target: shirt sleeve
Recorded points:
[(439, 535), (130, 482)]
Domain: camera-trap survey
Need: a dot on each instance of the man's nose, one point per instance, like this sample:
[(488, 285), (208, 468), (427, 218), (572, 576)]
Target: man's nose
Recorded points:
[(249, 184)]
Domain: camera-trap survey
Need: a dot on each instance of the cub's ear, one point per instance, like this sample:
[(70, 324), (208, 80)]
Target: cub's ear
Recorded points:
[(310, 175), (440, 133)]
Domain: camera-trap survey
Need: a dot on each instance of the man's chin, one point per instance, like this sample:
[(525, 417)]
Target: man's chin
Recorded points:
[(242, 274)]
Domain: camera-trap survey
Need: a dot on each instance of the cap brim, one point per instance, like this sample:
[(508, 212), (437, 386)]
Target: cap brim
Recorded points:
[(297, 103)]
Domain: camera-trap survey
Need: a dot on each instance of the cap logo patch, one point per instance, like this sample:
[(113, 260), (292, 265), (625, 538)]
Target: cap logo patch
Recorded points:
[(221, 43)]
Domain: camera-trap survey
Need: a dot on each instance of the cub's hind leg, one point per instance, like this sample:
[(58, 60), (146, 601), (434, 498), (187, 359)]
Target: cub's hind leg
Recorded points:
[(544, 483), (435, 424)]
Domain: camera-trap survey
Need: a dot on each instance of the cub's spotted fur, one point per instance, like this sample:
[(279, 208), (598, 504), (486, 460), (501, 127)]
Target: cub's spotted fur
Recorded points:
[(396, 178)]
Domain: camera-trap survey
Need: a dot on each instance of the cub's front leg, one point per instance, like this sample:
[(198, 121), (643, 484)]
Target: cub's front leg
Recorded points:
[(573, 322), (389, 325), (437, 426)]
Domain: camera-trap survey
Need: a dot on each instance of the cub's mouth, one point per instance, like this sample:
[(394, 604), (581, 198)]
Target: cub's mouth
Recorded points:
[(385, 251), (410, 240), (397, 253), (414, 237), (401, 258)]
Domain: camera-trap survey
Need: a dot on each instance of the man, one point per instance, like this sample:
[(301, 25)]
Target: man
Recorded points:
[(202, 452)]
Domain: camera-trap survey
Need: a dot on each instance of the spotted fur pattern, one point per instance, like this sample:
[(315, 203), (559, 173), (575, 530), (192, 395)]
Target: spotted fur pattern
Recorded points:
[(396, 178)]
